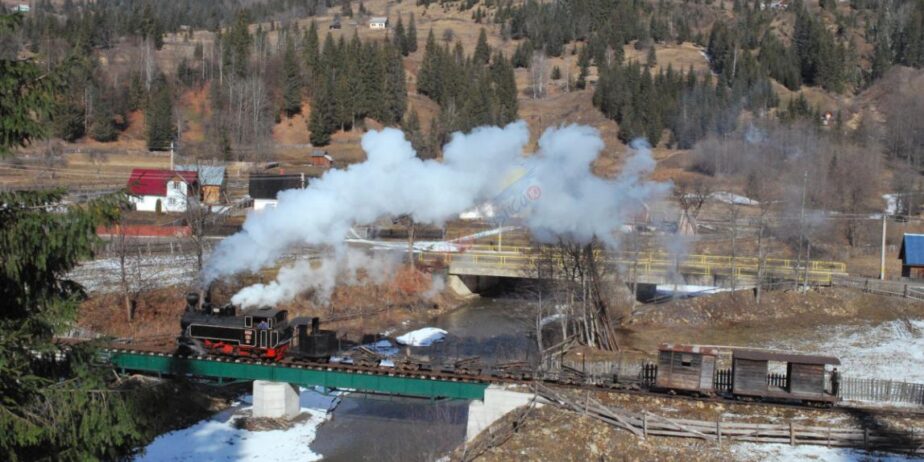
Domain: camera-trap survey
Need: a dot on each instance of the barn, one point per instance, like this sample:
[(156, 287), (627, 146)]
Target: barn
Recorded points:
[(162, 190), (321, 159), (264, 189), (912, 256), (211, 181)]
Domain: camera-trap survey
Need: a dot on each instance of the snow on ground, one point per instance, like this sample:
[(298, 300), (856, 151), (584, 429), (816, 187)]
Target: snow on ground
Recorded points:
[(762, 452), (218, 439), (891, 350), (688, 290), (732, 198), (103, 274), (422, 337)]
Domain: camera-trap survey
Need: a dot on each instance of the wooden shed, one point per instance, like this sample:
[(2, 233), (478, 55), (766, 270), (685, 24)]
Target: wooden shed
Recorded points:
[(686, 367), (321, 159), (804, 378), (912, 256)]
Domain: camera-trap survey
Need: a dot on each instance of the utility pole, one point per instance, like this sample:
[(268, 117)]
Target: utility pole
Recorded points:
[(171, 156), (882, 253), (802, 225)]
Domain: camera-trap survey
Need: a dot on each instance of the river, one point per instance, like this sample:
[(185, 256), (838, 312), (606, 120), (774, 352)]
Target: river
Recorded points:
[(380, 428)]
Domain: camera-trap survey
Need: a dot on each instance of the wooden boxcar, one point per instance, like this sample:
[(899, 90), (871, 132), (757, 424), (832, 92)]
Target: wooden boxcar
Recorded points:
[(686, 368), (804, 379)]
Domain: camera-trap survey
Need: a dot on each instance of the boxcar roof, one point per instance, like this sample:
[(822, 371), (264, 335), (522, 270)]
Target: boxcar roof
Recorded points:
[(681, 348), (763, 355)]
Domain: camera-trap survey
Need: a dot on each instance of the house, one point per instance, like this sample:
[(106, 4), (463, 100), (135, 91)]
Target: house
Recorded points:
[(211, 181), (264, 189), (161, 190), (321, 159), (22, 8), (378, 22), (912, 255)]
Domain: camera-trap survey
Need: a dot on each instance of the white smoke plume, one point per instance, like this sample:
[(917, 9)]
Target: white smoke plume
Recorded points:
[(560, 197), (347, 266)]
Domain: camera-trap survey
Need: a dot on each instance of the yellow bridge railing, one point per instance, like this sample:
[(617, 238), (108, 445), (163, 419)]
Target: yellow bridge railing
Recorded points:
[(525, 260)]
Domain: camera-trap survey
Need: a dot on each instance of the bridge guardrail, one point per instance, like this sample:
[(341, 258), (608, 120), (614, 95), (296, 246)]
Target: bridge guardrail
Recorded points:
[(648, 263)]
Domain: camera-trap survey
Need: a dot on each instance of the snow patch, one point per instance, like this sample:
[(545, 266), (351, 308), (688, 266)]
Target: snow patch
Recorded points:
[(760, 452), (218, 439), (891, 350), (732, 198), (422, 337)]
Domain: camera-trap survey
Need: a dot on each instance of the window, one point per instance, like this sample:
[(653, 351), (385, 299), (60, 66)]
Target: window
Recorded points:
[(686, 360)]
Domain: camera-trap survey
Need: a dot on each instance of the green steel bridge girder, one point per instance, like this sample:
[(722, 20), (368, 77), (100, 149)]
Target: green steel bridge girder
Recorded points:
[(342, 379)]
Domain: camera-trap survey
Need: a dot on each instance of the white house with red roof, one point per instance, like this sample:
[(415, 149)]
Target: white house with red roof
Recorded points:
[(167, 190)]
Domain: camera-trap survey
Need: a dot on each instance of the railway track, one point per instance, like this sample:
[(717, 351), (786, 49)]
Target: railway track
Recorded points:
[(588, 383)]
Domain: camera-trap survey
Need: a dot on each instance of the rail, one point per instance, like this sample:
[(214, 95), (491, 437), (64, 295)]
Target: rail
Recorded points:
[(375, 380), (527, 259)]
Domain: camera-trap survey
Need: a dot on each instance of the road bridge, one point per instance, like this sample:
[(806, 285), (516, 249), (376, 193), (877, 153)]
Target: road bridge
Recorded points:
[(641, 267)]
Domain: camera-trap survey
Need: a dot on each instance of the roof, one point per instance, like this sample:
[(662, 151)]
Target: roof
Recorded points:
[(764, 355), (209, 175), (912, 252), (268, 186), (378, 19), (153, 181), (697, 349)]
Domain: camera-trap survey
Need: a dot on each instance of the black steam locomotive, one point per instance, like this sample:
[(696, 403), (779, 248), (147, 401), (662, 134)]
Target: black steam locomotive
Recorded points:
[(263, 333)]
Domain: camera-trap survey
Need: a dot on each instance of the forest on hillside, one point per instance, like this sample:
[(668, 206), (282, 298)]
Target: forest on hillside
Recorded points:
[(255, 77)]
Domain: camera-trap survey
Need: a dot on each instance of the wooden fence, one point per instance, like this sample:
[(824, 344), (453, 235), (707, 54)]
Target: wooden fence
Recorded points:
[(876, 286), (644, 424), (883, 391)]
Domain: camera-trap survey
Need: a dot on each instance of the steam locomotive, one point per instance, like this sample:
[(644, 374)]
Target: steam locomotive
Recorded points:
[(264, 333)]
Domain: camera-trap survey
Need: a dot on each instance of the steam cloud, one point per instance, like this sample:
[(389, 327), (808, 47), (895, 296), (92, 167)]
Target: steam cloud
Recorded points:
[(564, 198)]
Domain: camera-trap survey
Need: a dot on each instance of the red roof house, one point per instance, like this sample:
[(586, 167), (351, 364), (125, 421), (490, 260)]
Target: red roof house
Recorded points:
[(159, 189)]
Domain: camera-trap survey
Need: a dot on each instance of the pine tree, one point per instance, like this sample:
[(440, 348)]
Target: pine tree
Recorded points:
[(239, 41), (311, 54), (395, 92), (26, 97), (426, 78), (400, 39), (505, 90), (652, 58), (102, 124), (482, 50), (323, 119), (292, 83), (158, 117), (40, 246), (412, 35), (556, 73)]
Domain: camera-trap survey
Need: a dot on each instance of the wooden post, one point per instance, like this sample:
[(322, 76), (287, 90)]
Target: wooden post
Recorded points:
[(645, 425), (792, 434), (718, 429), (866, 438)]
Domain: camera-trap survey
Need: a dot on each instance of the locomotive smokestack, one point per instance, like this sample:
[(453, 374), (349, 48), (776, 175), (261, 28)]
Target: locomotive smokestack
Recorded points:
[(315, 325), (192, 301)]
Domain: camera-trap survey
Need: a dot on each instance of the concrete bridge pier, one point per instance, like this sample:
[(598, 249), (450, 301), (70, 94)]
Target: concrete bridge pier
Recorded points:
[(498, 401), (275, 400)]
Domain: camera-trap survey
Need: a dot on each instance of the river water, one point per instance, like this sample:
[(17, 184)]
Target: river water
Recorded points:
[(365, 427)]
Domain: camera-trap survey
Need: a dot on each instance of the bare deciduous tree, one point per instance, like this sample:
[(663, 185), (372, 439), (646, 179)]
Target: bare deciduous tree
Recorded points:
[(538, 72)]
